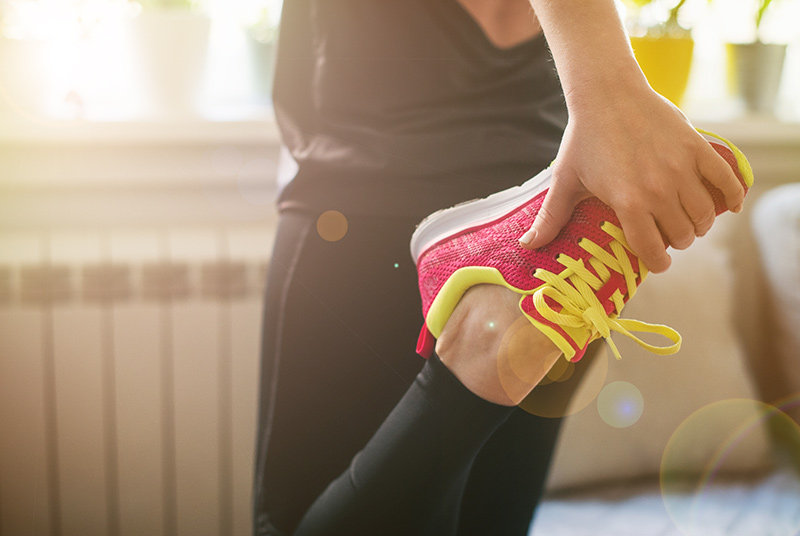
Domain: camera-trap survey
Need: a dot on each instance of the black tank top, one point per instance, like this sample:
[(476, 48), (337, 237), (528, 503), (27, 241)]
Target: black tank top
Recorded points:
[(402, 107)]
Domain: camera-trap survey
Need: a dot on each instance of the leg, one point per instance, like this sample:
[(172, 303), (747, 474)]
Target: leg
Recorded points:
[(409, 479), (335, 362), (338, 353), (508, 477), (410, 476)]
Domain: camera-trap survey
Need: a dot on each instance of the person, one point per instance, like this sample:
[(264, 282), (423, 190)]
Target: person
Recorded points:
[(390, 110)]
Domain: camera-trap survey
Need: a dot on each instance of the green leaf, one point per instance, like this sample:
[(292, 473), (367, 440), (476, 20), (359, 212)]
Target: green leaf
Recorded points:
[(762, 7)]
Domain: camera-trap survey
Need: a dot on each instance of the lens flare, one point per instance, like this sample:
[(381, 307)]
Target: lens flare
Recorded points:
[(620, 404), (332, 225), (726, 439), (561, 372), (569, 387)]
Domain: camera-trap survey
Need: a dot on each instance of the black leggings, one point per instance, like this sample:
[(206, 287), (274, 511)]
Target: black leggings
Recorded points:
[(359, 435)]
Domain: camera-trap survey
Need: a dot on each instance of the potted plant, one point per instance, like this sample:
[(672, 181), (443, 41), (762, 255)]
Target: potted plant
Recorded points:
[(170, 44), (755, 68), (662, 44)]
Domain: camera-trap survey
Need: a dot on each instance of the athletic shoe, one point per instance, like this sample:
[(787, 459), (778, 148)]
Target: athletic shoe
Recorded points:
[(572, 289)]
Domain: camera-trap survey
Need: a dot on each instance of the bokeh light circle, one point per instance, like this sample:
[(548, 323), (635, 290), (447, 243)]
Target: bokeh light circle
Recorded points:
[(620, 404), (332, 225), (519, 348), (562, 371), (725, 440), (569, 387)]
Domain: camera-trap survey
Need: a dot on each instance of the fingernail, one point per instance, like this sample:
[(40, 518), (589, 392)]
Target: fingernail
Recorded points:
[(528, 237), (738, 208)]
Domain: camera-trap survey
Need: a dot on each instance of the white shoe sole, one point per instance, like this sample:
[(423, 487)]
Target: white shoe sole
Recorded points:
[(476, 213)]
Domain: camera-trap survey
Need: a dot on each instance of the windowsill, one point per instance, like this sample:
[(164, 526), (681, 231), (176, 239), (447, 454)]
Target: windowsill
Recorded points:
[(758, 130), (101, 155), (259, 127)]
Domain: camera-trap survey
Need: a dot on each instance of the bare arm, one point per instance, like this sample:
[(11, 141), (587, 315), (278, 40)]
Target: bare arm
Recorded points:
[(624, 143)]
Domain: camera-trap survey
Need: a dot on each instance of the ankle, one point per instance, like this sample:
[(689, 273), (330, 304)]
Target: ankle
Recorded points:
[(492, 348)]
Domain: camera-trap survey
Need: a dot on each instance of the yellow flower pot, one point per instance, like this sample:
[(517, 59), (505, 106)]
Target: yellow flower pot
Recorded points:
[(666, 62)]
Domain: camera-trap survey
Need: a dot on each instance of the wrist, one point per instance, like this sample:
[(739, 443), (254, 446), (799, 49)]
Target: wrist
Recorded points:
[(606, 84)]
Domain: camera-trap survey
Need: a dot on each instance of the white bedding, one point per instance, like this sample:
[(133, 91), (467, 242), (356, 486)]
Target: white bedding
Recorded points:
[(767, 506)]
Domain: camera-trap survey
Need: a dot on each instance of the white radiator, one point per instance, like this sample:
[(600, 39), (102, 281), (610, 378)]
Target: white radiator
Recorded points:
[(128, 380)]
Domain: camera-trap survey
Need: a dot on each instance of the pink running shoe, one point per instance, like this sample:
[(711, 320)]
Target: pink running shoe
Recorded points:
[(572, 290)]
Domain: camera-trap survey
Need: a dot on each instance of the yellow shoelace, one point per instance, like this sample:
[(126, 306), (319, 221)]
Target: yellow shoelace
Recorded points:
[(580, 306)]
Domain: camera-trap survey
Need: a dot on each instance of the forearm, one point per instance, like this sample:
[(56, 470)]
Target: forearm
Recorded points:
[(589, 46)]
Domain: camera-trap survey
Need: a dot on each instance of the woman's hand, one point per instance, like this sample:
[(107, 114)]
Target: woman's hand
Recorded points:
[(640, 156), (624, 143)]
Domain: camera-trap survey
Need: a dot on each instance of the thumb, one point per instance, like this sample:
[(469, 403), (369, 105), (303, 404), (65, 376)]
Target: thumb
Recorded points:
[(555, 212)]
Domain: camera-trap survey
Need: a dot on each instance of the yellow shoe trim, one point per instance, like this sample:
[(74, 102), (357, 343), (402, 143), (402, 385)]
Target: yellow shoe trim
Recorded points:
[(463, 279), (741, 159), (454, 288)]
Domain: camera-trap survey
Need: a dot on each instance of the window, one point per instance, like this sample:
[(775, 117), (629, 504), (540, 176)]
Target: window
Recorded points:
[(128, 60), (121, 60)]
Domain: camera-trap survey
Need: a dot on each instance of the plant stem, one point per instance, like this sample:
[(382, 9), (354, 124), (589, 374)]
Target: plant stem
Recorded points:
[(762, 7), (672, 22)]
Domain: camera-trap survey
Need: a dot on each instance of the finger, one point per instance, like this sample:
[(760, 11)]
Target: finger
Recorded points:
[(676, 227), (716, 170), (699, 207), (646, 242), (555, 212)]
